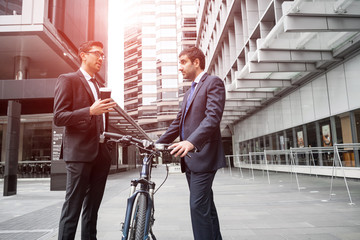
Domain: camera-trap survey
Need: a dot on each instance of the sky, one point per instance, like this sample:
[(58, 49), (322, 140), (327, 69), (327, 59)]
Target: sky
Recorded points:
[(116, 51)]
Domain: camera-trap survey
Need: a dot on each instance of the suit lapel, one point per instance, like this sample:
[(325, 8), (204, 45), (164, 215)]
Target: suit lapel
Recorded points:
[(86, 85)]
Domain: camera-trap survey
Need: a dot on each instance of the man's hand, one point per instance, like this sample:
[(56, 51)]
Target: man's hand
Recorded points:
[(182, 148), (102, 106)]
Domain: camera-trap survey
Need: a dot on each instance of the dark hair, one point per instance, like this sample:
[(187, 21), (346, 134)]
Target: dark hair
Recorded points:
[(194, 53), (86, 46)]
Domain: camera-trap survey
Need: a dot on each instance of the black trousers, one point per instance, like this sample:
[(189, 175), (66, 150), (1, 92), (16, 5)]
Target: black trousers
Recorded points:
[(204, 218), (84, 189)]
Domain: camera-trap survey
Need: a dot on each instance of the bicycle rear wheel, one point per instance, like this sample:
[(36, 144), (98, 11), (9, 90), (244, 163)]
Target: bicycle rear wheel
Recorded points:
[(141, 206)]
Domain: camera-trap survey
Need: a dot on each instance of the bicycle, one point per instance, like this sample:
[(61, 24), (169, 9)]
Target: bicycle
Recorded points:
[(139, 216)]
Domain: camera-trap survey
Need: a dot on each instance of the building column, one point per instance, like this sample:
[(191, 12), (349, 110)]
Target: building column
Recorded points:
[(306, 143), (318, 142), (21, 70), (286, 147), (3, 147), (334, 136), (278, 147), (271, 148), (333, 130), (295, 145), (12, 148)]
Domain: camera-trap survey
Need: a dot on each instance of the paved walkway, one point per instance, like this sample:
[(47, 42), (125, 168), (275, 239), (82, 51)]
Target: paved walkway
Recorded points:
[(249, 209)]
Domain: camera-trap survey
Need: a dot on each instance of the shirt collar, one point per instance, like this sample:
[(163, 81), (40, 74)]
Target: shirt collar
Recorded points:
[(86, 75), (197, 79)]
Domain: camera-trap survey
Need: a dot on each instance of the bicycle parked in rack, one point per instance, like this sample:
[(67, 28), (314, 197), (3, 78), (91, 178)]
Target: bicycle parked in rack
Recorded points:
[(139, 217)]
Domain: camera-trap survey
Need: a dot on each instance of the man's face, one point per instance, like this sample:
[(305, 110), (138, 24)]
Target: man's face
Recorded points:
[(187, 68), (92, 59)]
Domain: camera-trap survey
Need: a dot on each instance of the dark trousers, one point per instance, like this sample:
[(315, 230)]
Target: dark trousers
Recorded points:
[(204, 218), (84, 189)]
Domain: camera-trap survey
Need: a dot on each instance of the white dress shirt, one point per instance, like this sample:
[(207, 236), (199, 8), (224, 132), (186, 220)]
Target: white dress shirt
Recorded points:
[(93, 89)]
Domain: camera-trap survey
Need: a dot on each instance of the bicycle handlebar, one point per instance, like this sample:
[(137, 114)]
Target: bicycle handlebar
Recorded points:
[(116, 137), (144, 144), (121, 137)]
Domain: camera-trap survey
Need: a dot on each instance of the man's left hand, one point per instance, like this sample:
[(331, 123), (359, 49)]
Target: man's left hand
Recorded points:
[(181, 148)]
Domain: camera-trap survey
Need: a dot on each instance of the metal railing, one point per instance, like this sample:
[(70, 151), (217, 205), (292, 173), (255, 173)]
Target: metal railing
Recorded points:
[(291, 161)]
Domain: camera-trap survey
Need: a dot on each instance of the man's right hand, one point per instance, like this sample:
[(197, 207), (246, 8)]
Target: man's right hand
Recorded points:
[(181, 148), (102, 106)]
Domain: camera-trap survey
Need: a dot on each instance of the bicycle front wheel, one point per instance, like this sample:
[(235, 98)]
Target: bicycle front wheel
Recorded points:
[(140, 219)]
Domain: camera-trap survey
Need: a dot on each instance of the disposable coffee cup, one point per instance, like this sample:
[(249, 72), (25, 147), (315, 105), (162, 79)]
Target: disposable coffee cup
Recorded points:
[(105, 93)]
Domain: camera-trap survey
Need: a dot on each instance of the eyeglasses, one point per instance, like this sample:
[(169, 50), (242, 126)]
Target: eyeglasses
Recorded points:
[(98, 54)]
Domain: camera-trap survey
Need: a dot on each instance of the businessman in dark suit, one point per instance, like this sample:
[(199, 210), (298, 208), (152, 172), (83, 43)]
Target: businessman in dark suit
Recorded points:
[(198, 125), (78, 107)]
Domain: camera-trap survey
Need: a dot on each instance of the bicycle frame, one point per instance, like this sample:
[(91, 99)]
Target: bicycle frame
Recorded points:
[(147, 187), (140, 205)]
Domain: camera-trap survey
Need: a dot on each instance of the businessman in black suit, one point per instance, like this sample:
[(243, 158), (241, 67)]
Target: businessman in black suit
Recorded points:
[(78, 107), (198, 125)]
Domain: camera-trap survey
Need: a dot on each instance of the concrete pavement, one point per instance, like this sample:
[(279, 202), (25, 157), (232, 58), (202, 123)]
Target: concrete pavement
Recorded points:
[(248, 208)]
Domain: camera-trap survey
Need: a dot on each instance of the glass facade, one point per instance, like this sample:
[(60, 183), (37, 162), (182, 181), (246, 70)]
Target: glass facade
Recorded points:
[(311, 137), (36, 141), (34, 149)]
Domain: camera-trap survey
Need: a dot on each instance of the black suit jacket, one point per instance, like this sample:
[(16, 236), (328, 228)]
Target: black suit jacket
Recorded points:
[(202, 125), (72, 101)]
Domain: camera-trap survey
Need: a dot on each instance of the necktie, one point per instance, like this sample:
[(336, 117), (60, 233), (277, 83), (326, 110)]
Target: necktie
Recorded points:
[(193, 85), (93, 80)]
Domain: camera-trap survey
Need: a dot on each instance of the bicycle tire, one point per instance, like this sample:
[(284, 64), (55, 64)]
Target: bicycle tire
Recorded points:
[(140, 216)]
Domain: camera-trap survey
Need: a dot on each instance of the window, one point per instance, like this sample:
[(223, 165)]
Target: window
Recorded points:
[(149, 77), (148, 18), (148, 41), (169, 70), (189, 35), (149, 89), (1, 134), (188, 9), (189, 22), (11, 7), (168, 57), (311, 132), (166, 45), (289, 140), (168, 32), (167, 8), (149, 100), (149, 65), (169, 95), (169, 83), (148, 53), (167, 20), (357, 122), (37, 141)]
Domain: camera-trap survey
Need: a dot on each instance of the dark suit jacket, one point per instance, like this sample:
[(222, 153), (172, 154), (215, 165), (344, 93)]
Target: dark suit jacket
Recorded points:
[(202, 125), (72, 101)]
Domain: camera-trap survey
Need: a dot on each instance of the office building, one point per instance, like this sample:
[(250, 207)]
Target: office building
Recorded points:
[(291, 74), (39, 41), (154, 34)]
